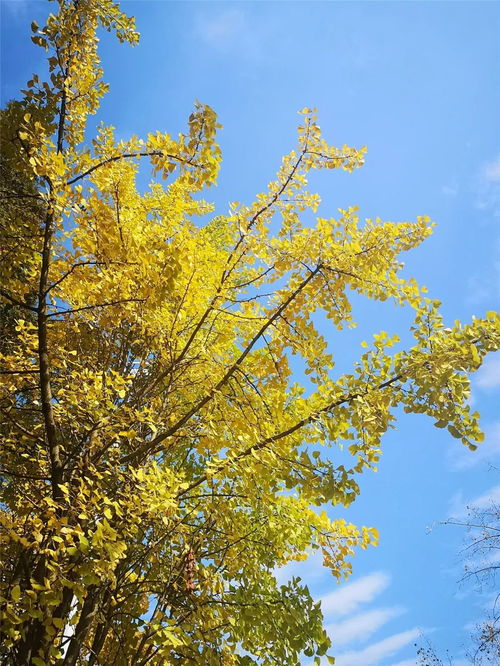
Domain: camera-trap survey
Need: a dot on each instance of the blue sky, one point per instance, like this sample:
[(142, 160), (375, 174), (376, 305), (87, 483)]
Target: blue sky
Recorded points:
[(419, 84)]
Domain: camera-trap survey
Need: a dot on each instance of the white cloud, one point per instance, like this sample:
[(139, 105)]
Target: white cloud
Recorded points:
[(225, 26), (350, 596), (479, 289), (485, 285), (229, 31), (456, 506), (375, 652), (459, 506), (357, 629), (450, 190), (486, 568), (492, 171), (361, 626), (17, 8), (487, 499), (407, 662), (488, 452), (488, 375), (488, 187), (310, 570)]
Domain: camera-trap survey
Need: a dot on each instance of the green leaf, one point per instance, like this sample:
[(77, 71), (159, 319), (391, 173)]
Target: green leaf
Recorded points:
[(16, 593), (37, 661)]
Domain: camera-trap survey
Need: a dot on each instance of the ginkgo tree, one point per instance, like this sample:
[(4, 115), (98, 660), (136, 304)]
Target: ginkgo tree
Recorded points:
[(159, 461)]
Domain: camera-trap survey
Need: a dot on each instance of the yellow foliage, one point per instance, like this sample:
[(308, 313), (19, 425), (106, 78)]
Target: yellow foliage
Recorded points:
[(158, 462)]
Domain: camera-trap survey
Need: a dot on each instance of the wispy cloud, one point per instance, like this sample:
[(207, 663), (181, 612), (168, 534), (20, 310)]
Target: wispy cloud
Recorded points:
[(480, 288), (228, 30), (485, 284), (310, 570), (356, 629), (450, 190), (17, 8), (485, 500), (459, 506), (492, 171), (488, 188), (488, 452), (360, 627), (486, 567), (488, 375), (350, 596), (374, 653), (225, 26)]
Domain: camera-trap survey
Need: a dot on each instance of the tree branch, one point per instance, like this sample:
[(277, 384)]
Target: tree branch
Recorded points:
[(123, 156), (88, 263), (97, 305), (285, 433), (18, 475), (19, 372), (149, 446), (16, 302)]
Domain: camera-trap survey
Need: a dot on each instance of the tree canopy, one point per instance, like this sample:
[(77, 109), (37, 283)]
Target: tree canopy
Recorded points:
[(159, 459)]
